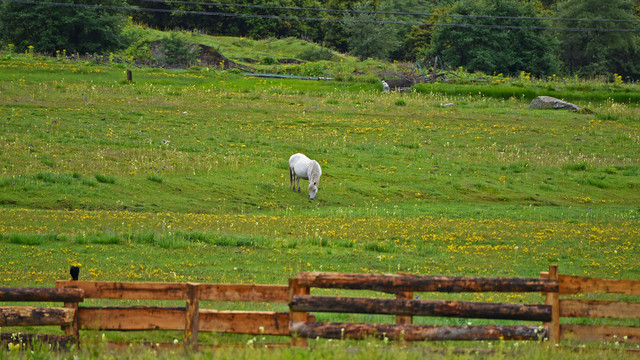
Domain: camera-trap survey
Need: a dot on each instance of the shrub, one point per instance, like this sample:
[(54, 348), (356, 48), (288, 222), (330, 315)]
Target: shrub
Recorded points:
[(268, 60), (178, 52), (314, 53)]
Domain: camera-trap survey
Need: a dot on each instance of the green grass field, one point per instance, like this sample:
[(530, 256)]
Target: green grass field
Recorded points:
[(182, 176)]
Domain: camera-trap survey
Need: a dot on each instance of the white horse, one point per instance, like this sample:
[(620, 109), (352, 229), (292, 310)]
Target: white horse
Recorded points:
[(301, 167)]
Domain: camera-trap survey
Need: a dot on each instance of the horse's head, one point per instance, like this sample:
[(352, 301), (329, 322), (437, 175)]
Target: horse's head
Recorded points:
[(313, 190)]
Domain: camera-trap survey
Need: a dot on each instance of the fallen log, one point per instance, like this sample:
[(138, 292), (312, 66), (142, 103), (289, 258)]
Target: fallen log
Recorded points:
[(32, 316), (359, 331), (40, 294), (443, 308), (394, 283)]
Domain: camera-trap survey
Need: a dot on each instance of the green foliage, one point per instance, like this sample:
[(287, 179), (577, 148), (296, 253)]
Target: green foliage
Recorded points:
[(479, 47), (31, 239), (105, 179), (367, 39), (48, 27), (155, 178), (177, 51), (600, 53), (316, 53), (417, 42), (241, 25), (268, 60)]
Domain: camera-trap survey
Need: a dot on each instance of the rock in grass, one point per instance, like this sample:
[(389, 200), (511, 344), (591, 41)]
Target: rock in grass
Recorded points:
[(548, 102)]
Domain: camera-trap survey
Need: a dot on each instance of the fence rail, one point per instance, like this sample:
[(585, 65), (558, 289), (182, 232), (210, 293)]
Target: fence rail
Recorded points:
[(40, 294), (300, 323), (394, 283), (458, 309)]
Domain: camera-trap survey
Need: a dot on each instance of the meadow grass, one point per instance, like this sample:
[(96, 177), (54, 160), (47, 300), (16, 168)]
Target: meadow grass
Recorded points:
[(182, 176), (254, 347)]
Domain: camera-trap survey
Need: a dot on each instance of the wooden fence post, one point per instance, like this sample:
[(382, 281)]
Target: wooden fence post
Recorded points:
[(553, 299), (295, 316), (404, 319), (192, 321), (73, 329)]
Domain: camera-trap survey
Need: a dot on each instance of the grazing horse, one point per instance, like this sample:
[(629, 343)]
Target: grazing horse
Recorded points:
[(301, 167)]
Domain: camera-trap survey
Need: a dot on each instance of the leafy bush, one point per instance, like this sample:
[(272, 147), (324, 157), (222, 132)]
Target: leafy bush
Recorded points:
[(178, 52), (314, 53), (268, 60)]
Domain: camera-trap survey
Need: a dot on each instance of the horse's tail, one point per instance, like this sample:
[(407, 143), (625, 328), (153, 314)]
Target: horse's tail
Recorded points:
[(291, 178)]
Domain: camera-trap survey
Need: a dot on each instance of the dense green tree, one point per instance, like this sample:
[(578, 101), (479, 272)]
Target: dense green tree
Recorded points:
[(367, 37), (256, 19), (51, 27), (479, 44), (418, 40), (590, 53)]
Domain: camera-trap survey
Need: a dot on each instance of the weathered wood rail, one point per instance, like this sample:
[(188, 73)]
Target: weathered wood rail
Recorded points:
[(594, 309), (299, 322)]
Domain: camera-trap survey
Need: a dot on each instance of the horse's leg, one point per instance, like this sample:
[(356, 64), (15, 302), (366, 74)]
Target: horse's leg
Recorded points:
[(298, 185)]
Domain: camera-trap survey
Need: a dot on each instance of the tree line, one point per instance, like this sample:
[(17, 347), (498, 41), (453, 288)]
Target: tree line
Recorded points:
[(542, 37)]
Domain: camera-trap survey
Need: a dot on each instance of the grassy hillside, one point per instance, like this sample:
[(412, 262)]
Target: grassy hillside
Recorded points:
[(182, 175)]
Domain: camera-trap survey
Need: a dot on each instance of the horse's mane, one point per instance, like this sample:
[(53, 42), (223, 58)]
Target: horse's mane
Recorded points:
[(314, 172)]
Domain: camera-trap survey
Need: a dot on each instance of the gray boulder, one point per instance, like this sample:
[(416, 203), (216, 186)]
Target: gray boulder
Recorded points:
[(548, 102)]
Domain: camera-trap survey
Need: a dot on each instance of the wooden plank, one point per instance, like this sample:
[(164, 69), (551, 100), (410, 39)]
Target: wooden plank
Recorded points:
[(127, 290), (35, 316), (131, 318), (599, 309), (359, 331), (405, 282), (244, 292), (40, 294), (553, 300), (601, 333), (420, 308), (57, 341), (245, 322), (578, 284)]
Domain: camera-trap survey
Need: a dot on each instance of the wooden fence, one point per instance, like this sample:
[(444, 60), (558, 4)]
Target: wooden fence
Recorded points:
[(39, 316), (542, 320), (190, 318), (563, 307), (405, 307)]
